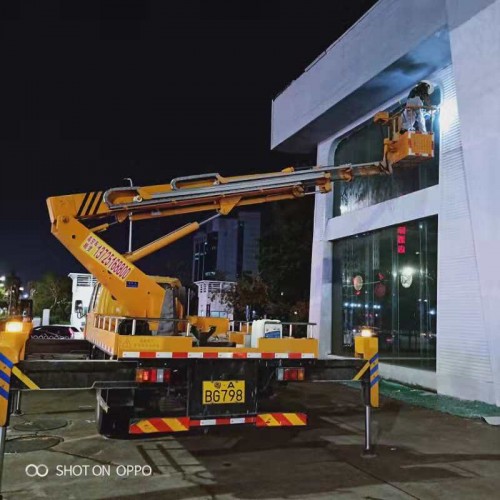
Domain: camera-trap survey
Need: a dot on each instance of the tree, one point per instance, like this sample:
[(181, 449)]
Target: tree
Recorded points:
[(4, 302), (52, 292), (178, 268), (281, 290), (249, 291), (285, 258)]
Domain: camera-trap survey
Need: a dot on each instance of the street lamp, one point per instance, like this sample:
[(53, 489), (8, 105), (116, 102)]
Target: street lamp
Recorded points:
[(129, 219)]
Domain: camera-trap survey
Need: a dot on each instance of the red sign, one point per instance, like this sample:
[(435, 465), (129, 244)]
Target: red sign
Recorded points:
[(401, 239)]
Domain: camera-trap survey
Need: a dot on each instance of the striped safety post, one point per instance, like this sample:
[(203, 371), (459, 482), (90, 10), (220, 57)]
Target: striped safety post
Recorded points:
[(8, 357), (367, 348)]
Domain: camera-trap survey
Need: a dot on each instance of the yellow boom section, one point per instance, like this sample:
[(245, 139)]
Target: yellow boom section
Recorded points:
[(137, 294)]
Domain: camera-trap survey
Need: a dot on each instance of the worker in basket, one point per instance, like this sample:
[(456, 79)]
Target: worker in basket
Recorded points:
[(419, 96)]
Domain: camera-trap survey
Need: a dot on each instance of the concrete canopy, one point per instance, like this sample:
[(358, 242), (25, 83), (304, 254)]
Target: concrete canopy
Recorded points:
[(393, 46), (426, 58)]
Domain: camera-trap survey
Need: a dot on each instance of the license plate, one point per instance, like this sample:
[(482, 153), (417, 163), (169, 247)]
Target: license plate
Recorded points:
[(223, 392)]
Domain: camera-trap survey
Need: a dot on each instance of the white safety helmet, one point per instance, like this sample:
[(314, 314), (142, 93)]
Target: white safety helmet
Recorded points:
[(430, 85)]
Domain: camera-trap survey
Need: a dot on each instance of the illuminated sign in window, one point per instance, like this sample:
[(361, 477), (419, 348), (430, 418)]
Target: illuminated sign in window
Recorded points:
[(401, 239)]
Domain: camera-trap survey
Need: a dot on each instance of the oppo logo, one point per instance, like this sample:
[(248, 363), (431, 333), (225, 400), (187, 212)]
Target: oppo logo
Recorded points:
[(33, 470)]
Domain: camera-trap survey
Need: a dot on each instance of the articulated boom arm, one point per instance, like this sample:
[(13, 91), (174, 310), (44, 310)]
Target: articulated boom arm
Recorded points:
[(204, 192), (137, 294)]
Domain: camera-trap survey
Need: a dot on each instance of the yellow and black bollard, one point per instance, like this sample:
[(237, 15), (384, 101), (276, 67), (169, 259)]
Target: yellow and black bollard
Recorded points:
[(12, 348), (7, 358), (366, 347)]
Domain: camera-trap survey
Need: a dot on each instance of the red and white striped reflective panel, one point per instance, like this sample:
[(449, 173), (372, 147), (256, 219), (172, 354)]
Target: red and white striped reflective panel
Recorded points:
[(182, 424), (218, 355), (222, 421)]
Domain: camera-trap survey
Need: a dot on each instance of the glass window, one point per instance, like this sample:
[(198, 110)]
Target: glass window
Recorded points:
[(210, 265), (386, 279), (366, 145), (94, 299)]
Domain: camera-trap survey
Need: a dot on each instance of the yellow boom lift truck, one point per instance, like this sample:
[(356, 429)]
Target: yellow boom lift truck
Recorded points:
[(155, 369)]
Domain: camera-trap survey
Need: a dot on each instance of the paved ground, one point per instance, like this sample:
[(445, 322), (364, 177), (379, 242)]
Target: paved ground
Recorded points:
[(420, 454)]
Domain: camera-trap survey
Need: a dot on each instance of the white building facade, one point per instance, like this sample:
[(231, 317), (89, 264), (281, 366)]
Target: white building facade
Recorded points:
[(415, 255)]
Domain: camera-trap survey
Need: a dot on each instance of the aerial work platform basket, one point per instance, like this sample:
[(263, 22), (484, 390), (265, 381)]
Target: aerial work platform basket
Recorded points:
[(406, 148), (410, 149)]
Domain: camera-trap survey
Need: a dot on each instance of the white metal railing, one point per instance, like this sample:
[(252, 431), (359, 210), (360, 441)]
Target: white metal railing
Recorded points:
[(236, 326), (111, 323)]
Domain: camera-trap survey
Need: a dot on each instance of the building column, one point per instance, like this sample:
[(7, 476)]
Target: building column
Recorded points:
[(320, 302), (475, 45)]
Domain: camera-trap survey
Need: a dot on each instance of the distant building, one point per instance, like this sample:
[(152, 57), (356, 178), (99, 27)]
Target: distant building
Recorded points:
[(83, 284), (227, 247), (210, 299)]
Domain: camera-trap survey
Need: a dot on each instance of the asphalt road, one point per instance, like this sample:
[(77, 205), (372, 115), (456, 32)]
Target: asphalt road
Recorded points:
[(420, 454)]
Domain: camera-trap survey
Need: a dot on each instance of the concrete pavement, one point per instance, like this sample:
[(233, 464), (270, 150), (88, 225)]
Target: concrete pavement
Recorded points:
[(420, 454)]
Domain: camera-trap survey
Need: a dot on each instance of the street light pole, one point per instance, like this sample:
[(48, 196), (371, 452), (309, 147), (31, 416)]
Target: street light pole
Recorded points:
[(129, 220)]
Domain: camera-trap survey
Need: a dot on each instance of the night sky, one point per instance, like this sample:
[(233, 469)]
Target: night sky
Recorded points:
[(94, 92)]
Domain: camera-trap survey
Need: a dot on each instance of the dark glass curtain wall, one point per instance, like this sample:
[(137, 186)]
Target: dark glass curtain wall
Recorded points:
[(366, 145), (386, 279)]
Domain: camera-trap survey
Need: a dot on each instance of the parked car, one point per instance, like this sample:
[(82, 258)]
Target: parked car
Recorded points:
[(57, 332)]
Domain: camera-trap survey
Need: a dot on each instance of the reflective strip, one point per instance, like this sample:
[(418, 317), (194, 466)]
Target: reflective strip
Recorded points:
[(361, 372), (131, 355), (240, 420), (211, 355), (208, 422), (222, 421), (145, 426), (163, 354), (224, 355), (177, 355), (219, 355), (375, 381), (24, 378), (5, 370), (150, 355), (89, 206), (374, 367), (6, 361), (5, 377), (295, 418), (281, 419), (177, 424), (82, 204), (153, 425), (98, 203)]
